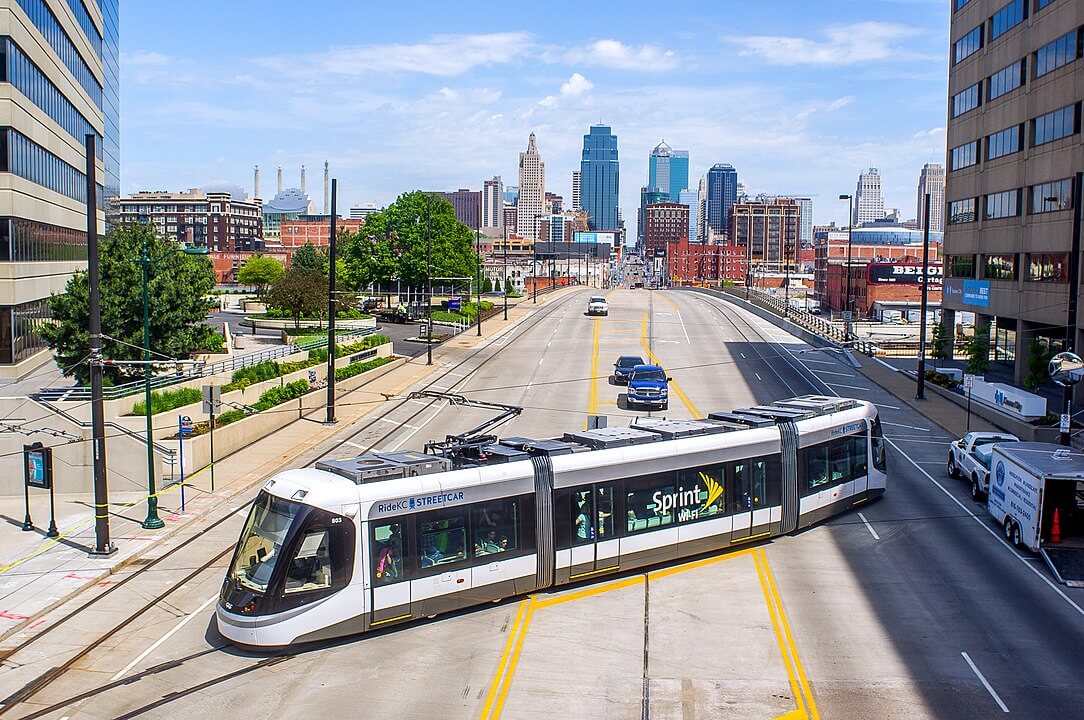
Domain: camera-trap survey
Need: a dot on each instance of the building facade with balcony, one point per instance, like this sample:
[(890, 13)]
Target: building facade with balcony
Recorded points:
[(218, 221)]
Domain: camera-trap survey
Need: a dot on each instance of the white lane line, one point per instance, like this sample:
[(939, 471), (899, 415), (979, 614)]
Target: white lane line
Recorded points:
[(990, 530), (393, 422), (187, 618), (829, 372), (851, 387), (985, 684), (742, 354), (869, 527), (413, 429), (540, 361), (684, 330), (886, 407), (353, 444), (909, 427), (921, 441), (819, 362), (758, 376)]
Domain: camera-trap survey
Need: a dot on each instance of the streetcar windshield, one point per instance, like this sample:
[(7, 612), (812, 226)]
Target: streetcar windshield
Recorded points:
[(261, 541)]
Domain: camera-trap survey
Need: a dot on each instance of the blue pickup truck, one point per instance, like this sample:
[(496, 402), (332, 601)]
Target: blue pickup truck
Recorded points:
[(648, 386)]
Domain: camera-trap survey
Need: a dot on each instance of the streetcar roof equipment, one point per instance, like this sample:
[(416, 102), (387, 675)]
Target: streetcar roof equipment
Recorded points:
[(539, 447), (611, 437), (671, 429), (744, 420)]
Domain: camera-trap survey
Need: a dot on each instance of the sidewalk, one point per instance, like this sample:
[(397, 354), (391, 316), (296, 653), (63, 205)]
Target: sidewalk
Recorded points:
[(38, 573)]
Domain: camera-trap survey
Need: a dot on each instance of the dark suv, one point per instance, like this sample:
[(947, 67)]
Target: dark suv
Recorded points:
[(623, 368)]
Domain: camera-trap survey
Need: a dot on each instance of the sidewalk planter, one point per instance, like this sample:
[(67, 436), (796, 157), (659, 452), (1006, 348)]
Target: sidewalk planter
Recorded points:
[(1014, 402), (241, 433), (1023, 430)]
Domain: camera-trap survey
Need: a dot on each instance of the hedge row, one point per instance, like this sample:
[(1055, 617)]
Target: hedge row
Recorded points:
[(269, 369), (165, 400)]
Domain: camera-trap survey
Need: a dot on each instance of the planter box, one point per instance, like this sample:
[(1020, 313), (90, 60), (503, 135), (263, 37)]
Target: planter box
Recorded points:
[(1023, 430), (1017, 403), (240, 434)]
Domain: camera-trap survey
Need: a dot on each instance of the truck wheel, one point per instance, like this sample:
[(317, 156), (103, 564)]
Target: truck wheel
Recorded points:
[(952, 471), (1008, 528), (1016, 539), (976, 493)]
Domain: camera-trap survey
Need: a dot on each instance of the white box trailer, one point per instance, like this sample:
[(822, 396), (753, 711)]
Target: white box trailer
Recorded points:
[(1037, 496)]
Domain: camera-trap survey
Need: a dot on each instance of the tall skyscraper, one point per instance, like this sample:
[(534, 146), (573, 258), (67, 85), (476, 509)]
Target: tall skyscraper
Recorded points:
[(932, 180), (493, 203), (61, 80), (805, 221), (668, 171), (702, 210), (467, 204), (722, 193), (648, 196), (600, 178), (869, 201), (531, 205), (691, 199), (576, 191)]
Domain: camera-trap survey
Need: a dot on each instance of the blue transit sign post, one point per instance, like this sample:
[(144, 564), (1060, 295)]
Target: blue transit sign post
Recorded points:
[(455, 304), (184, 430), (38, 473)]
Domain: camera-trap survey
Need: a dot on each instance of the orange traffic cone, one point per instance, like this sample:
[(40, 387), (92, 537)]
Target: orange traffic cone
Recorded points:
[(1055, 528)]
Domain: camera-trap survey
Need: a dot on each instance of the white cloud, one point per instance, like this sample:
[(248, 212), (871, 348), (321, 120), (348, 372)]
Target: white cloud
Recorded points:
[(844, 45), (137, 58), (576, 85), (440, 55), (619, 56)]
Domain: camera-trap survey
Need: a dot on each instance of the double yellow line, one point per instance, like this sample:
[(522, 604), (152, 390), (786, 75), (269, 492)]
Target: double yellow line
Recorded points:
[(517, 632)]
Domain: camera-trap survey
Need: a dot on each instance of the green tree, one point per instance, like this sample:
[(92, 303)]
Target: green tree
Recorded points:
[(392, 243), (487, 285), (939, 344), (260, 272), (310, 257), (176, 291), (1038, 362), (978, 351), (509, 288), (301, 293)]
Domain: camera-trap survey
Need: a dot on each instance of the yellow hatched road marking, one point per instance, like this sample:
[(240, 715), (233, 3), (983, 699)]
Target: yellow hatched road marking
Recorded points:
[(794, 688), (693, 410), (512, 632), (514, 660), (592, 392), (802, 679)]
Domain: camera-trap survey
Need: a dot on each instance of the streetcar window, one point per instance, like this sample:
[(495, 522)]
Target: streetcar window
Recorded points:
[(496, 527), (442, 541), (859, 461), (387, 553), (604, 512), (311, 567), (761, 482), (741, 499), (651, 502), (839, 453), (878, 438), (816, 466), (583, 513), (261, 541)]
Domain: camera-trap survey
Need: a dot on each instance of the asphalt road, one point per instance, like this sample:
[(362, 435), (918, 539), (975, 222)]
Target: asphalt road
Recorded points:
[(913, 608)]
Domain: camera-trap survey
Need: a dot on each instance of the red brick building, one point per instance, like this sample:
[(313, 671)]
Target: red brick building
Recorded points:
[(664, 223), (879, 286), (315, 230), (769, 230), (691, 263)]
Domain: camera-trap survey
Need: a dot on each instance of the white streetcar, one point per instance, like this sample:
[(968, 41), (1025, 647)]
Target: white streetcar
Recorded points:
[(368, 542)]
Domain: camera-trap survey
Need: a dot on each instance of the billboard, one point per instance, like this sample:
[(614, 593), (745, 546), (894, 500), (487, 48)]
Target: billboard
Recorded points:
[(594, 238), (903, 274)]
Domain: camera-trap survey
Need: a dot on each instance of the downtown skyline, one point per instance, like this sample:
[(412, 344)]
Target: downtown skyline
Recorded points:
[(799, 104)]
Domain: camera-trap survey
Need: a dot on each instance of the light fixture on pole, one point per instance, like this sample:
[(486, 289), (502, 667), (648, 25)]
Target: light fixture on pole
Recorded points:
[(332, 345), (428, 282), (478, 276), (850, 225), (505, 288), (920, 394), (1071, 312)]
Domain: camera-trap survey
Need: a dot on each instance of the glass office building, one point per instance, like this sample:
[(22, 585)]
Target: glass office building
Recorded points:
[(599, 178), (722, 194)]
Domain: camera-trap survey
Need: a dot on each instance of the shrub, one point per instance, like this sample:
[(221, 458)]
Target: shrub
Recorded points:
[(349, 371), (164, 400), (978, 351), (266, 370)]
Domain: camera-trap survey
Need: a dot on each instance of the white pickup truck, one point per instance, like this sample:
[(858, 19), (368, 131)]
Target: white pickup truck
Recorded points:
[(969, 459)]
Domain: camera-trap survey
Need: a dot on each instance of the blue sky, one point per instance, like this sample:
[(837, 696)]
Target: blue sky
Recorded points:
[(799, 95)]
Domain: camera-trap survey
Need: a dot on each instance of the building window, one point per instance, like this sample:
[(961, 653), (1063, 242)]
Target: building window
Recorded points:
[(1000, 267), (1005, 80), (966, 101), (1051, 196), (19, 325), (964, 156), (1040, 4), (1003, 204), (30, 161), (1003, 143), (47, 24), (1007, 18), (1048, 267), (967, 45), (29, 241), (961, 266), (1061, 52), (962, 211), (1054, 125)]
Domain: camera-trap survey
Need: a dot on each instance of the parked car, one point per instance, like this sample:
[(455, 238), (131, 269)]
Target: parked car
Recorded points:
[(648, 386), (623, 368), (598, 306), (965, 460)]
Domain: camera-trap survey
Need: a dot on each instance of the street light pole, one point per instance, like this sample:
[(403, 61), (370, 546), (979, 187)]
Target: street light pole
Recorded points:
[(478, 276), (505, 288), (1074, 283), (429, 282), (152, 521), (102, 544), (332, 346), (920, 393), (534, 272), (850, 226)]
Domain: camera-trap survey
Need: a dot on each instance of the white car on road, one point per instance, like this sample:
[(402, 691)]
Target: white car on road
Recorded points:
[(597, 306), (969, 458)]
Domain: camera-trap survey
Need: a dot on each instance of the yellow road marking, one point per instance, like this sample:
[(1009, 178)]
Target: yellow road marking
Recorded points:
[(592, 392), (512, 632), (693, 410), (588, 592), (794, 688), (514, 660), (802, 679)]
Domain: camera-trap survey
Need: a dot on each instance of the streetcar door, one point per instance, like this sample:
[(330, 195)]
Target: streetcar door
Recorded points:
[(389, 580), (740, 505), (595, 546), (859, 448)]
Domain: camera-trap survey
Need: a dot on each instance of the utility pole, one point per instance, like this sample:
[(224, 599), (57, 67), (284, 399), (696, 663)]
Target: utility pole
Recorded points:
[(920, 393), (1071, 314), (850, 225), (478, 276), (428, 281), (332, 346), (152, 521), (505, 288), (102, 544)]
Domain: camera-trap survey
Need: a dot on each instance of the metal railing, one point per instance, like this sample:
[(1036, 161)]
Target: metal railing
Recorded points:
[(192, 372), (168, 454)]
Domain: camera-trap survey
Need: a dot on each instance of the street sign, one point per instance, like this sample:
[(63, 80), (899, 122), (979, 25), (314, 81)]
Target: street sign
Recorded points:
[(184, 426), (846, 316), (969, 381), (212, 399), (312, 376), (38, 466), (1065, 422), (455, 304)]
